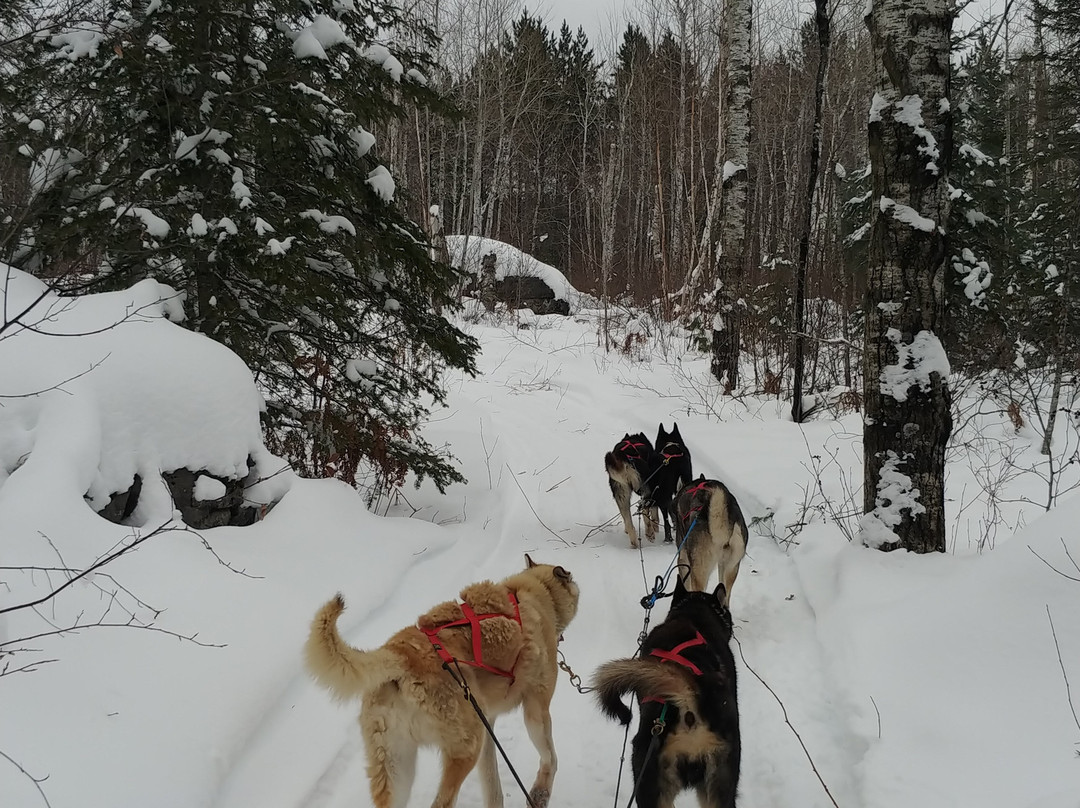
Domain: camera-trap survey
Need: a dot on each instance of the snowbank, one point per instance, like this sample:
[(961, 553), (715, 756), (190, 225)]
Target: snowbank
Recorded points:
[(98, 388)]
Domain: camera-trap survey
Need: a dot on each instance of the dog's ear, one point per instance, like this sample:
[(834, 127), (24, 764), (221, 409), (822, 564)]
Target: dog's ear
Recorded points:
[(701, 478), (561, 572), (529, 563), (675, 432), (661, 435), (680, 589)]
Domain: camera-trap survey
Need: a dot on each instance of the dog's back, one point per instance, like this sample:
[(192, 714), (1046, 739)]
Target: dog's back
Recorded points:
[(694, 676), (715, 533)]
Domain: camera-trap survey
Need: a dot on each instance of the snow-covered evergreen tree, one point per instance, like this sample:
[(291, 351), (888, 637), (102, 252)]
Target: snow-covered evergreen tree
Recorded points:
[(226, 147)]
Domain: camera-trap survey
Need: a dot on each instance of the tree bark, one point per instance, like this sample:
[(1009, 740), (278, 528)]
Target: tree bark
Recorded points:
[(905, 381), (821, 18), (738, 16)]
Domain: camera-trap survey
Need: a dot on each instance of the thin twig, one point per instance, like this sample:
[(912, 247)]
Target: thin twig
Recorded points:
[(1051, 566), (35, 780), (101, 562), (598, 528), (787, 721), (531, 508), (1064, 675)]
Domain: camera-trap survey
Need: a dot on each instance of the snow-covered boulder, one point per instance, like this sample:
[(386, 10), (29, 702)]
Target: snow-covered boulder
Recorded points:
[(110, 401), (521, 281)]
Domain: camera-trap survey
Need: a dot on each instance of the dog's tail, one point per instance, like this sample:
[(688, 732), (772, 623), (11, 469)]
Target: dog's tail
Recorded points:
[(647, 679), (614, 462), (343, 670)]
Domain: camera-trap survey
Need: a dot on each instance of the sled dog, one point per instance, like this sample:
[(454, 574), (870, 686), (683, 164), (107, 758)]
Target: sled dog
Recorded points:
[(715, 534), (628, 466), (409, 700), (684, 676), (672, 469)]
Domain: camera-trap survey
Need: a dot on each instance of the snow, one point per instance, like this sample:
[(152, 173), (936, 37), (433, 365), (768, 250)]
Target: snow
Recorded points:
[(50, 166), (912, 680), (909, 112), (915, 363), (466, 252), (731, 169), (380, 55), (207, 488), (199, 227), (188, 147), (363, 139), (155, 226), (906, 214), (877, 105), (895, 494), (380, 179)]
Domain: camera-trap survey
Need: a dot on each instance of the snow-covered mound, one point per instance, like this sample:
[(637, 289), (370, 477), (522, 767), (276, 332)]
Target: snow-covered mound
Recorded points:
[(466, 252), (98, 388)]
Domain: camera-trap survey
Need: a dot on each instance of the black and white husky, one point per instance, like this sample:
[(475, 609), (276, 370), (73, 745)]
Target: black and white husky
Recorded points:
[(684, 677)]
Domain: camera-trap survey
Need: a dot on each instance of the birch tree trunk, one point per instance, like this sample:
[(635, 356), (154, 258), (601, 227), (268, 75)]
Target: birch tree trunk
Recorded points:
[(738, 16), (905, 380)]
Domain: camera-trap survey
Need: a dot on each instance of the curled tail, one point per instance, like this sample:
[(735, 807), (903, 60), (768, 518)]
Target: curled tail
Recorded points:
[(345, 671), (646, 679)]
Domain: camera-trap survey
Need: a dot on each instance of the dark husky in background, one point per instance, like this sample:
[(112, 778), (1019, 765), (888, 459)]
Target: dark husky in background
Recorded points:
[(628, 466), (671, 470), (684, 672), (716, 534)]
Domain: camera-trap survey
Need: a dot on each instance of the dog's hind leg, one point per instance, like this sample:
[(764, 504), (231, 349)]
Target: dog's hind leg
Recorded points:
[(490, 783), (718, 789), (457, 764), (621, 492), (537, 709), (652, 522), (727, 572), (391, 761)]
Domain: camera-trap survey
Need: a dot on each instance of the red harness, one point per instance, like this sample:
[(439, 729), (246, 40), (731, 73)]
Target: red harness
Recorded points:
[(697, 489), (633, 448), (472, 620), (675, 655)]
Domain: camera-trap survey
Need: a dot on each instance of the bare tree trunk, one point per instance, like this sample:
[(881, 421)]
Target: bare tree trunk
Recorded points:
[(821, 18), (1055, 399), (738, 16), (905, 378)]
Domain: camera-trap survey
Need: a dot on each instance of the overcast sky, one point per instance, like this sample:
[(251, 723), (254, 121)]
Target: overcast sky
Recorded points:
[(596, 16)]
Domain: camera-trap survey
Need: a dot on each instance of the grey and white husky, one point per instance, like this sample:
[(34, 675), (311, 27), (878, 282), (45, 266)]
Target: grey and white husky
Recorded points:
[(715, 534)]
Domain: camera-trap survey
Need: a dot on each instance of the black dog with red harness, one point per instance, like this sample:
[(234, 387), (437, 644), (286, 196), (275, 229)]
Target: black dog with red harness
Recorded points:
[(684, 677), (671, 469)]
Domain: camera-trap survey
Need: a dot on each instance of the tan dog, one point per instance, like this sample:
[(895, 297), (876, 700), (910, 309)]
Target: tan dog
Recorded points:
[(409, 700), (712, 523)]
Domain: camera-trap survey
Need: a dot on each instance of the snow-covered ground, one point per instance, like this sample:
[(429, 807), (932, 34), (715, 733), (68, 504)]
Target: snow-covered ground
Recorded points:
[(929, 681)]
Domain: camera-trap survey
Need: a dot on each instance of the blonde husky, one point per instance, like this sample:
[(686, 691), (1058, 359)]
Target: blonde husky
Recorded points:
[(713, 534), (410, 700)]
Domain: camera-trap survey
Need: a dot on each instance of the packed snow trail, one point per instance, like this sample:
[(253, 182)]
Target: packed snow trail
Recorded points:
[(536, 484)]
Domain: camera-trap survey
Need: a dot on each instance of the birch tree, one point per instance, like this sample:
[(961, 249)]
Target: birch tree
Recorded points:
[(735, 141), (907, 419)]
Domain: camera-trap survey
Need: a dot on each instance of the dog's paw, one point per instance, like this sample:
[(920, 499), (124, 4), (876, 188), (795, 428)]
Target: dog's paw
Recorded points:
[(539, 797)]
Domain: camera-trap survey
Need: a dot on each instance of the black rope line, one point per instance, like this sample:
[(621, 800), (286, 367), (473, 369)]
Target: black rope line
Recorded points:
[(459, 677)]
